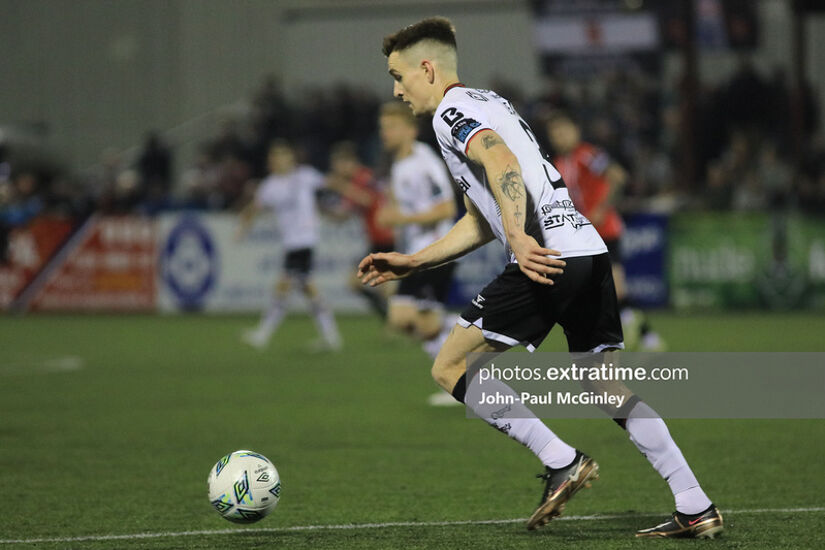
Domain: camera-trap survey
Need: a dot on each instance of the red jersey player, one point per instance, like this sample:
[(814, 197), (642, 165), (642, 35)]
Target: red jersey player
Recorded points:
[(361, 192), (594, 180)]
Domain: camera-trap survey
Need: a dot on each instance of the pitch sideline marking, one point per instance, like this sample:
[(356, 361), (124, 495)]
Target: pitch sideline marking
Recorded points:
[(387, 525)]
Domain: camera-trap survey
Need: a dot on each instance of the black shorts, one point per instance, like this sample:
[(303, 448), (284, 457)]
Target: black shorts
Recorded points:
[(614, 250), (298, 262), (428, 288), (513, 310)]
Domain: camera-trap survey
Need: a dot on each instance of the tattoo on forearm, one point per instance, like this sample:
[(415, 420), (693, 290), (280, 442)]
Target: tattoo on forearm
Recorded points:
[(511, 184), (519, 216), (489, 141)]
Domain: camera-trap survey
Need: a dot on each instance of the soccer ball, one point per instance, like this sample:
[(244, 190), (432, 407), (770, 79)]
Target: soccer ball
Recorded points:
[(244, 487)]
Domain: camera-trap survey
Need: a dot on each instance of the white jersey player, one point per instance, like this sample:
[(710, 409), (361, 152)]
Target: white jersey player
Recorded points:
[(291, 198), (289, 193), (559, 272), (422, 210), (550, 218), (420, 184)]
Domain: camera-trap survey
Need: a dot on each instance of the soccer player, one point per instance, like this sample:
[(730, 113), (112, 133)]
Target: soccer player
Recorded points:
[(594, 180), (289, 193), (422, 209), (559, 271), (357, 185)]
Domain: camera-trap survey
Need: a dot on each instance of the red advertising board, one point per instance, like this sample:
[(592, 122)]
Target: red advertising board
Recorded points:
[(111, 267), (29, 249)]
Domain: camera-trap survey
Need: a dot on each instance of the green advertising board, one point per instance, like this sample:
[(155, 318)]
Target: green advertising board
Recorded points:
[(719, 260)]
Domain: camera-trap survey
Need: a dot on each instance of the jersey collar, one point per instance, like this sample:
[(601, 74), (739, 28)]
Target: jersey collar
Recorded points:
[(451, 86)]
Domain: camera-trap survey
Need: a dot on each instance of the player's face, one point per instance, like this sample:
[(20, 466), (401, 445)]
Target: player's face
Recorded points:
[(395, 132), (280, 160), (564, 135), (411, 84), (343, 166)]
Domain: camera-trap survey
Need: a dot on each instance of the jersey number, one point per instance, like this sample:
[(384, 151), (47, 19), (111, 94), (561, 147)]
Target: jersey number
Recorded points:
[(451, 116)]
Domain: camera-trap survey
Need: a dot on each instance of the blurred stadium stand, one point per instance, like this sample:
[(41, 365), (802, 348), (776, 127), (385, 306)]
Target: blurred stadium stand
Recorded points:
[(154, 107)]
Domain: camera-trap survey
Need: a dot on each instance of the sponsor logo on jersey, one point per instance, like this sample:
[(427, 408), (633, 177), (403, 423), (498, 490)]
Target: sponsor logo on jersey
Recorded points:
[(565, 204), (558, 220), (475, 95), (477, 301), (463, 127)]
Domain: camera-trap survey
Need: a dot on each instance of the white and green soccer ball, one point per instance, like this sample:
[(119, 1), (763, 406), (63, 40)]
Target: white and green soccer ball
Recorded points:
[(244, 487)]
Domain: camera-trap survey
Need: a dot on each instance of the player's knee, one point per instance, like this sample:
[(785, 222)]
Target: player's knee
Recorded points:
[(283, 286), (428, 325), (446, 372), (401, 319), (309, 289), (438, 372)]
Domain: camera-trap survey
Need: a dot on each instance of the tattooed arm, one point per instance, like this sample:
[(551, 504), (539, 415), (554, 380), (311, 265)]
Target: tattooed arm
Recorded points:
[(504, 176)]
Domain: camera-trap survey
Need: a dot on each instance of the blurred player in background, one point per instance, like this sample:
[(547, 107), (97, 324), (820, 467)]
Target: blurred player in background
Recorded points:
[(514, 194), (361, 192), (422, 209), (594, 182), (289, 192)]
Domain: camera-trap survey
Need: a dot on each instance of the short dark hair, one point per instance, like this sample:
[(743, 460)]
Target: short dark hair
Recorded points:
[(560, 116), (344, 150), (439, 29), (280, 143), (400, 110)]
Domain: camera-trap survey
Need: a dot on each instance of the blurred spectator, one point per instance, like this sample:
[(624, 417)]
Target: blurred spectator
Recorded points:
[(19, 203), (154, 165), (743, 136)]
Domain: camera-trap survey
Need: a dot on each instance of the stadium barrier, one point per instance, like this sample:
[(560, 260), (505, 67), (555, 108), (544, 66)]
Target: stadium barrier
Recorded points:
[(189, 261), (724, 260)]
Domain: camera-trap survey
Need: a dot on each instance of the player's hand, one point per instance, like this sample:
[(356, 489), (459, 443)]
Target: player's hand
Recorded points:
[(533, 259), (382, 267)]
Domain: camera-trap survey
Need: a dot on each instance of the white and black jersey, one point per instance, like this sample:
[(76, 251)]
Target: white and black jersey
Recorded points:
[(291, 197), (419, 183), (552, 219), (512, 309)]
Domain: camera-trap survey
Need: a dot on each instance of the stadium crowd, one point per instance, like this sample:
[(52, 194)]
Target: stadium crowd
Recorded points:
[(744, 148)]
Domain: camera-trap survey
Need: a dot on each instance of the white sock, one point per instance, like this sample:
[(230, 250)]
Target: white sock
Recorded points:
[(518, 422), (650, 434), (325, 322), (272, 317)]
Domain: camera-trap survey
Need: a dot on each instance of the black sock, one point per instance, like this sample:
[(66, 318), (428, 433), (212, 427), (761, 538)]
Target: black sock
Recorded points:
[(624, 411), (460, 388)]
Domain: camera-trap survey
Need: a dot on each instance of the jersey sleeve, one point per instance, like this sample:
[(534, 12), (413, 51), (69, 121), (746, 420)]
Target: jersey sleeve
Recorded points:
[(458, 122), (313, 178)]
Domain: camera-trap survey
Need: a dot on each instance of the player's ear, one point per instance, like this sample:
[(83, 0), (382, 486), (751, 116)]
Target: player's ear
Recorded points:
[(429, 70)]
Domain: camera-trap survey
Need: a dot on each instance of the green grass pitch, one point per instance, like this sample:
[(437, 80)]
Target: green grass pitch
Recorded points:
[(109, 426)]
